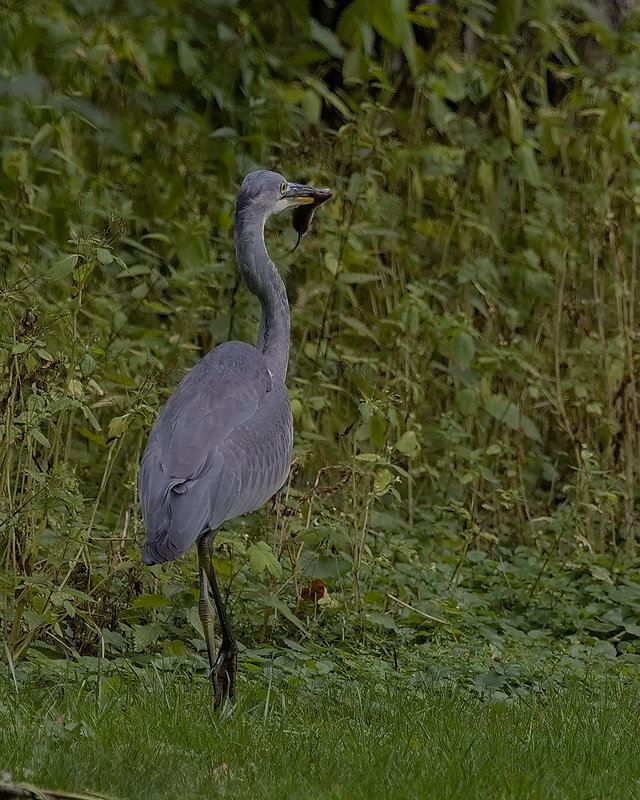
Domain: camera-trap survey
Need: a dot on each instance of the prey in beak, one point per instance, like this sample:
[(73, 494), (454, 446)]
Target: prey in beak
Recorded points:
[(304, 200)]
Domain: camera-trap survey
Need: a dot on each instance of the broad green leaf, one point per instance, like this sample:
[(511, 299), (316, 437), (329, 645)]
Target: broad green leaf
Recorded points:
[(389, 18), (64, 266), (408, 444), (506, 17), (117, 426), (151, 601), (384, 620), (274, 602), (378, 428), (15, 165), (36, 434), (311, 105), (438, 112), (188, 59), (383, 482), (145, 635), (505, 411), (326, 37), (104, 256), (463, 349), (527, 164), (467, 402), (261, 559)]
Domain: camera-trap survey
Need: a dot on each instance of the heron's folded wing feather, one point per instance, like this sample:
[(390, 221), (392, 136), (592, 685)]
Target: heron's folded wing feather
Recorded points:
[(223, 417)]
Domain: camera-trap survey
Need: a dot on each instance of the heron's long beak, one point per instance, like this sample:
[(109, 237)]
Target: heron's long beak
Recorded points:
[(300, 195)]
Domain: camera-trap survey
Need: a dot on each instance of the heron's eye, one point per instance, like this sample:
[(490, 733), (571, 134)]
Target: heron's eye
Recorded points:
[(283, 188)]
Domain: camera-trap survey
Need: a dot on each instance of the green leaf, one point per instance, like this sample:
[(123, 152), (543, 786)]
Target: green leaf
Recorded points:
[(485, 179), (36, 434), (311, 105), (104, 256), (438, 112), (145, 635), (505, 411), (389, 18), (188, 59), (117, 426), (274, 602), (408, 444), (527, 164), (64, 266), (378, 430), (326, 37), (151, 601), (368, 457), (384, 620), (515, 120), (261, 559), (463, 349), (601, 574), (15, 165), (506, 17), (466, 402)]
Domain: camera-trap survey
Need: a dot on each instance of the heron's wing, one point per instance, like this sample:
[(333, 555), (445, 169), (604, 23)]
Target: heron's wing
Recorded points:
[(220, 447)]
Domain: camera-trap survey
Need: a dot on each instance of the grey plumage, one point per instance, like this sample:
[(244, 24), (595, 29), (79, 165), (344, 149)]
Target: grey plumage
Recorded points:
[(220, 448), (222, 444)]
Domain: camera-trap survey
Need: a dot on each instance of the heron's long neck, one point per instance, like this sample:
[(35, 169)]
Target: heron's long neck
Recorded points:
[(263, 279)]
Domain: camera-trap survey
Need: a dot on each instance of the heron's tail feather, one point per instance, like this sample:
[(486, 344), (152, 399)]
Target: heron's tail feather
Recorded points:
[(186, 511)]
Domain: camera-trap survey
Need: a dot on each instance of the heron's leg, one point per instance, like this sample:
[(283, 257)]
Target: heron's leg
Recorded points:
[(223, 670), (205, 610)]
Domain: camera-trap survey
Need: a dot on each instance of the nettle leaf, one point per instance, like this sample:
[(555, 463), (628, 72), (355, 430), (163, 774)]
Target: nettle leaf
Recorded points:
[(104, 256), (145, 635), (527, 164), (117, 426), (408, 444), (274, 602), (463, 349), (506, 17), (188, 59), (151, 601), (37, 434), (15, 165), (466, 402), (326, 37), (507, 412), (382, 619), (261, 559), (64, 266), (389, 18)]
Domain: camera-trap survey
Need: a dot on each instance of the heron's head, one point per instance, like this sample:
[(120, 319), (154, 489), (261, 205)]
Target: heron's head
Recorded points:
[(269, 193)]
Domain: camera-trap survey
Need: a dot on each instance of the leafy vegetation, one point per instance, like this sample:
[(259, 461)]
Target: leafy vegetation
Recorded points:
[(464, 355)]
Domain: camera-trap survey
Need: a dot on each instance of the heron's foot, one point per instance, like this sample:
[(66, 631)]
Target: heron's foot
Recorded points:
[(223, 673)]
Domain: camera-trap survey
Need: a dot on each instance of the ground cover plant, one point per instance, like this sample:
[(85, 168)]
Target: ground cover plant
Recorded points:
[(462, 508)]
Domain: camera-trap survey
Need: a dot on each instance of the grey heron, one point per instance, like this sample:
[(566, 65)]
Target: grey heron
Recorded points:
[(221, 446)]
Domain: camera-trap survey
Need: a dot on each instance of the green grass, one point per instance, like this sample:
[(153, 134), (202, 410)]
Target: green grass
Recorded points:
[(334, 740)]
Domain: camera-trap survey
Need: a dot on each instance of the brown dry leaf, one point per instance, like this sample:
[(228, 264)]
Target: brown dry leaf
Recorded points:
[(316, 590)]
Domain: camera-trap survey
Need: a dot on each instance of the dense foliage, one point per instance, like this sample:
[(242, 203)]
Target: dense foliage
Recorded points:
[(465, 350)]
